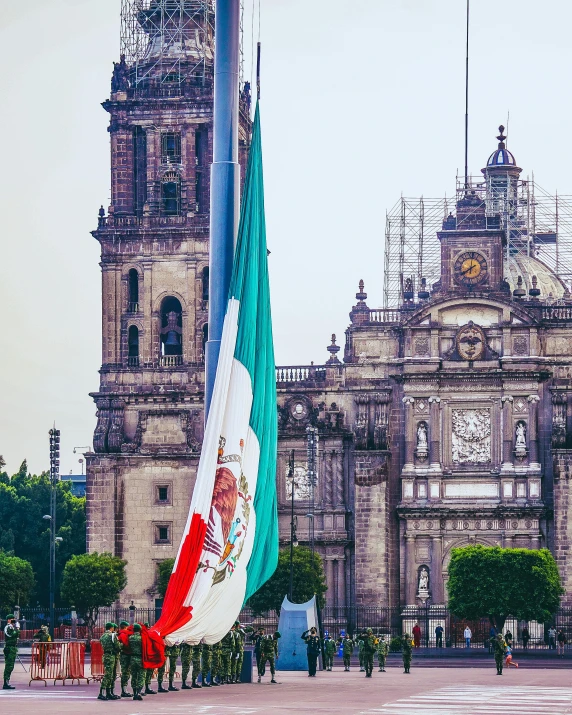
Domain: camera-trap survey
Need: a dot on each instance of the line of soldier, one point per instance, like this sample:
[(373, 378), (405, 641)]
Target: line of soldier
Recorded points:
[(222, 661)]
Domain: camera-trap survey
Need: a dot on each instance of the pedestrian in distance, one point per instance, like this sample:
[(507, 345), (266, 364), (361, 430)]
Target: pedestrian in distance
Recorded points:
[(467, 635), (417, 635), (525, 637), (382, 652), (552, 638), (313, 649), (508, 638), (406, 652), (499, 647), (439, 636), (329, 651), (11, 635), (508, 661), (560, 642)]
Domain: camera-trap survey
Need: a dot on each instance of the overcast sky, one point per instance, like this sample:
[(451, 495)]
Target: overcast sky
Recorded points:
[(361, 101)]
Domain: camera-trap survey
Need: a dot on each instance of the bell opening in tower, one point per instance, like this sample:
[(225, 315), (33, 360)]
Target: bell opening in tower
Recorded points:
[(171, 327)]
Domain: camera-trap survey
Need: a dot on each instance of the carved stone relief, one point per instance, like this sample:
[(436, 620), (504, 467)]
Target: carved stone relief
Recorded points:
[(471, 436), (302, 491), (559, 419)]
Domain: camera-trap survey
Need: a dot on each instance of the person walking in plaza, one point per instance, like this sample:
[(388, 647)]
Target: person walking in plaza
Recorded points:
[(417, 635), (125, 663), (467, 635), (439, 636), (508, 661), (525, 637), (347, 650), (329, 651), (313, 649), (499, 647), (11, 635), (406, 652), (560, 642), (552, 638), (382, 651), (268, 652)]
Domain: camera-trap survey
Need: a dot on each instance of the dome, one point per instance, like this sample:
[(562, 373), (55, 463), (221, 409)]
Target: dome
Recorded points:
[(502, 156), (526, 267)]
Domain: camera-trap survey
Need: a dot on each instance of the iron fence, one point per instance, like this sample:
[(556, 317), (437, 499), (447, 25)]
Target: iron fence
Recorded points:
[(392, 622)]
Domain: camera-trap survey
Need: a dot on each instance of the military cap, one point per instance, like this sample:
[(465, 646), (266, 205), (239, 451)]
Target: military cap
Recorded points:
[(136, 627), (10, 617), (108, 625), (237, 623), (146, 624), (123, 624)]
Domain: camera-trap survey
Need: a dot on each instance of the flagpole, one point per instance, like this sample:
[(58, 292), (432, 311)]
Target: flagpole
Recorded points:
[(225, 179)]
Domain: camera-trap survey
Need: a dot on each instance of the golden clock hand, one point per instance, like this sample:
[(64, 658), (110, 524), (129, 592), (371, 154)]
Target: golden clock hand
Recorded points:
[(470, 268)]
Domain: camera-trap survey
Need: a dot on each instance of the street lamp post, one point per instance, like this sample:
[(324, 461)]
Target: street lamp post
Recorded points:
[(311, 450), (54, 477), (292, 527)]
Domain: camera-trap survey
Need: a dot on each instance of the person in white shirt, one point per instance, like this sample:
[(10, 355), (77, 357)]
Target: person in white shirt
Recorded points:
[(468, 635)]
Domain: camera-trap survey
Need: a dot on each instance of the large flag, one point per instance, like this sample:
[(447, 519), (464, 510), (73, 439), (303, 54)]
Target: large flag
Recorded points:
[(230, 543)]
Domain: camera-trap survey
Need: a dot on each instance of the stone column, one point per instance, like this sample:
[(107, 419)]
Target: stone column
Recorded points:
[(341, 583), (507, 464), (409, 575), (409, 465), (330, 581), (535, 541), (436, 583), (435, 434), (533, 401)]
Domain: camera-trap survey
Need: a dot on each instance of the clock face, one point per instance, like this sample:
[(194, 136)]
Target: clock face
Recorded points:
[(470, 268)]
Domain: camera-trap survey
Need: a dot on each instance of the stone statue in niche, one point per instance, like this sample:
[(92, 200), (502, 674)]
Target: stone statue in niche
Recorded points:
[(423, 585), (471, 436), (520, 440), (422, 450)]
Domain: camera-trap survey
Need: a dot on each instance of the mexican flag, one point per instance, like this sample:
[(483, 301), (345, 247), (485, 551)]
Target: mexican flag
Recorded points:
[(230, 543)]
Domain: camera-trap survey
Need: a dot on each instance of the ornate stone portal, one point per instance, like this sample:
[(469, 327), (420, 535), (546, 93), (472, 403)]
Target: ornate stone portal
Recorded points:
[(471, 436)]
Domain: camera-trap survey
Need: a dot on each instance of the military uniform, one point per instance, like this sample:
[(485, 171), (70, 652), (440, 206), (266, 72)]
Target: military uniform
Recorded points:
[(206, 664), (382, 651), (360, 644), (227, 648), (185, 665), (137, 670), (196, 659), (268, 652), (347, 651), (11, 635), (42, 636), (406, 652), (216, 664), (369, 648), (111, 647), (148, 676), (329, 652), (125, 663), (239, 638), (499, 647), (313, 649)]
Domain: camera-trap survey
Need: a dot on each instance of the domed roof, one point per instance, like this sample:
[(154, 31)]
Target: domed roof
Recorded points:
[(502, 156), (526, 267)]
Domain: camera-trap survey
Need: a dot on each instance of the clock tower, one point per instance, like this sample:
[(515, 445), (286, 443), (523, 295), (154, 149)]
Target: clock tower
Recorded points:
[(474, 243)]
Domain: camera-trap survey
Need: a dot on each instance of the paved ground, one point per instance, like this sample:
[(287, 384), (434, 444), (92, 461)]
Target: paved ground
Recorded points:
[(426, 691)]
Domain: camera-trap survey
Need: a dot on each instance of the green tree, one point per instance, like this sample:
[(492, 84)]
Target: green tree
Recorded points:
[(16, 581), (92, 581), (165, 569), (309, 580), (487, 581), (24, 500)]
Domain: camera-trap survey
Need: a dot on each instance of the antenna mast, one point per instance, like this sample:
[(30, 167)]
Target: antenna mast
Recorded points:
[(467, 103)]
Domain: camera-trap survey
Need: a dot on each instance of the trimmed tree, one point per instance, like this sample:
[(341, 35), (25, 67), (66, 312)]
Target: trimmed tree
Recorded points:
[(93, 581), (488, 581), (309, 580), (164, 569), (16, 581)]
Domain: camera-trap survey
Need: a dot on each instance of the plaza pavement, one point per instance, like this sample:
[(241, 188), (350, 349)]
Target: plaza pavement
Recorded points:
[(426, 691)]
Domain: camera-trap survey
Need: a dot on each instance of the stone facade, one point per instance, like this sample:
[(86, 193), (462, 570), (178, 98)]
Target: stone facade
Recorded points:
[(448, 422)]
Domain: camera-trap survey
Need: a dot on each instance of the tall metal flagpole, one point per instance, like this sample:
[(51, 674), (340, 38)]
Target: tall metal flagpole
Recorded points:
[(225, 179), (467, 102)]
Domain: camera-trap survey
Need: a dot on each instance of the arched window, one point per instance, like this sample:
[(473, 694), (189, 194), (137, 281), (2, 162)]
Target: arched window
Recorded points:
[(205, 337), (133, 345), (133, 278), (205, 283), (171, 330), (171, 194)]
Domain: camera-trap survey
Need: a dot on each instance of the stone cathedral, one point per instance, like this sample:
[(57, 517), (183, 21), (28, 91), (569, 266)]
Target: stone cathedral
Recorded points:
[(448, 420)]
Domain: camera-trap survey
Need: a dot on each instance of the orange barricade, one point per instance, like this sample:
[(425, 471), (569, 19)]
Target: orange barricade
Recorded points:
[(97, 670), (57, 661)]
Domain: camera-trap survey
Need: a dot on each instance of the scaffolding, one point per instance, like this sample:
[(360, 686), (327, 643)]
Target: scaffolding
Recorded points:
[(536, 223), (168, 42)]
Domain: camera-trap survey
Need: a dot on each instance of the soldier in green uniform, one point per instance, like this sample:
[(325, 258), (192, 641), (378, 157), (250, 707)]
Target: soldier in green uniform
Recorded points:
[(173, 657), (42, 636), (111, 647), (125, 663), (382, 651), (161, 672), (197, 652), (206, 664), (406, 651), (347, 650), (369, 648), (227, 647), (216, 664), (499, 646), (239, 638), (148, 675), (185, 665), (137, 670), (360, 645), (11, 635), (329, 651), (268, 652)]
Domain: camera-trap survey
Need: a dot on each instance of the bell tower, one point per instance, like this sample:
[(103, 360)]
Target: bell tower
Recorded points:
[(154, 242)]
